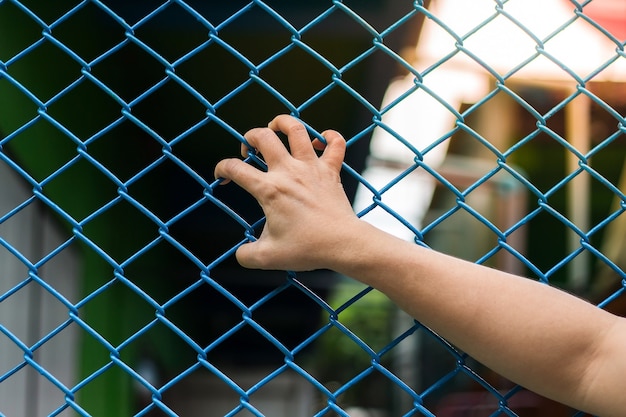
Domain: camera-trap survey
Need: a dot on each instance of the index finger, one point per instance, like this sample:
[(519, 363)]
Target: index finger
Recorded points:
[(265, 140), (297, 136), (241, 173)]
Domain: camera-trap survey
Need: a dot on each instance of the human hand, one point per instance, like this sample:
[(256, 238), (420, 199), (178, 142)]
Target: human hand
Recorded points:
[(305, 205)]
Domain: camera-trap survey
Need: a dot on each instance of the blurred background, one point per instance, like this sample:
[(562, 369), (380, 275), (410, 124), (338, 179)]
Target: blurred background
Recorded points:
[(114, 113)]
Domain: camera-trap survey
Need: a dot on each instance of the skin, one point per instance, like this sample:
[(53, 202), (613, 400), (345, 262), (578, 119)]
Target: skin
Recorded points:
[(538, 336)]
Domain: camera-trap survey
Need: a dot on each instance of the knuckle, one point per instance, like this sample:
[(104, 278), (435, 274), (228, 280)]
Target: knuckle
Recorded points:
[(257, 138), (272, 191), (297, 129)]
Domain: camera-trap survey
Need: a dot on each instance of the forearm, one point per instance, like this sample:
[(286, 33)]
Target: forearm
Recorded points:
[(535, 335), (514, 325)]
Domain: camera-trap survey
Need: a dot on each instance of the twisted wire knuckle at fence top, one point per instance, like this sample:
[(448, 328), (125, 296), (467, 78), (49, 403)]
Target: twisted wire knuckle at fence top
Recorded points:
[(82, 103)]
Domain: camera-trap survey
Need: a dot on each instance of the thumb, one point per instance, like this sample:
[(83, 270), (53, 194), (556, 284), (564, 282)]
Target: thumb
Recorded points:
[(248, 255)]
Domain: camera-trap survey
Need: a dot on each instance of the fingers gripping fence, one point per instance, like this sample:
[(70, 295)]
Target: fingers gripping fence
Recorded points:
[(501, 140)]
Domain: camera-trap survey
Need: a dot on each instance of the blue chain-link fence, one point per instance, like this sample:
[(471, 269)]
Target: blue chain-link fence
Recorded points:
[(500, 139)]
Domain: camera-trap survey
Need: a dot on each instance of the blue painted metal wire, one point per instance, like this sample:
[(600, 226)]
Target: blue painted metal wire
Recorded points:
[(219, 220)]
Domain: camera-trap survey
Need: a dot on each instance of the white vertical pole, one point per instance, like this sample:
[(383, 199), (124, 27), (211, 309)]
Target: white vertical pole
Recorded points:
[(578, 133)]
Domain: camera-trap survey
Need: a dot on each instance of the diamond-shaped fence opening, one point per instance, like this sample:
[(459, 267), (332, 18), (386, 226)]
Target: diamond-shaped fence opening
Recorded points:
[(490, 130)]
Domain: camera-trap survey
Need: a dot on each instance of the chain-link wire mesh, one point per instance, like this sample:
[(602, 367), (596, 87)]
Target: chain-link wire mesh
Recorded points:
[(500, 139)]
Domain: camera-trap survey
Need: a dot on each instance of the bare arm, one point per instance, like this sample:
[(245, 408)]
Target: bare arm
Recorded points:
[(535, 335)]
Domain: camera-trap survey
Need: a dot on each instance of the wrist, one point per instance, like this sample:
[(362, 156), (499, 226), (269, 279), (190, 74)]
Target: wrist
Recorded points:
[(367, 253)]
